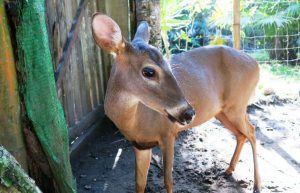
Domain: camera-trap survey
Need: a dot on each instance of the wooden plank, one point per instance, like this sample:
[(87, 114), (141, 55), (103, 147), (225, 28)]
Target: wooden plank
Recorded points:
[(80, 144), (87, 77), (69, 96), (86, 122), (82, 72), (101, 74), (119, 11), (77, 81), (92, 8), (106, 58), (236, 24), (72, 36), (82, 82), (64, 100), (94, 84), (92, 55), (91, 65)]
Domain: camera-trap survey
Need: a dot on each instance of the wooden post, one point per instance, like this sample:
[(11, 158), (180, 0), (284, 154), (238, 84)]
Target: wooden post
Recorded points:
[(236, 24), (149, 10), (10, 118)]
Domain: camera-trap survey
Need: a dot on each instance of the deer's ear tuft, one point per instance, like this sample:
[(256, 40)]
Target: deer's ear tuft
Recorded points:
[(107, 33)]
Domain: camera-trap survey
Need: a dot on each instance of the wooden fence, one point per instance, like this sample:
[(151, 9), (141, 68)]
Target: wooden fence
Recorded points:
[(81, 68)]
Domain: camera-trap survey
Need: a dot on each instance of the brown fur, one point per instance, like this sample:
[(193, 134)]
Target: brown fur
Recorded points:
[(217, 81)]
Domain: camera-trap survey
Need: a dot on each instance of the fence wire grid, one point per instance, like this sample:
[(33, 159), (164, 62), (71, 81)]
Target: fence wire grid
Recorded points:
[(270, 29)]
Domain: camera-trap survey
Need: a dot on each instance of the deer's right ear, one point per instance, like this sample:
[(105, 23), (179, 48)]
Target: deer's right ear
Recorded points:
[(107, 33)]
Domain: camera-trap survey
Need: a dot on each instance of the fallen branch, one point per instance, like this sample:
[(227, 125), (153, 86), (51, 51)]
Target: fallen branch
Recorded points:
[(13, 176)]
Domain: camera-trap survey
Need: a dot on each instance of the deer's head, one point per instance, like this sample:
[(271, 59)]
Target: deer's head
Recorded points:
[(142, 70)]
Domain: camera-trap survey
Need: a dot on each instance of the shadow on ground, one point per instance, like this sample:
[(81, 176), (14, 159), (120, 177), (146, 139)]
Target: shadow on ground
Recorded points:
[(201, 156), (107, 165)]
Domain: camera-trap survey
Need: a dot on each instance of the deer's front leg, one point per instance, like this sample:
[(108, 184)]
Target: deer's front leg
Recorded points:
[(142, 163), (167, 149)]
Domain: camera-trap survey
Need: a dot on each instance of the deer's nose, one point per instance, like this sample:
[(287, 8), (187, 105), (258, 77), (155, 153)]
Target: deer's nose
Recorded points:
[(188, 115)]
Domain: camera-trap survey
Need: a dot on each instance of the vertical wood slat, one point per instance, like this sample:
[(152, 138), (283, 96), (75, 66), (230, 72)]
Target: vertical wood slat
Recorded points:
[(75, 65), (77, 81), (236, 24), (96, 56), (119, 11), (70, 93), (92, 65), (86, 72), (83, 83)]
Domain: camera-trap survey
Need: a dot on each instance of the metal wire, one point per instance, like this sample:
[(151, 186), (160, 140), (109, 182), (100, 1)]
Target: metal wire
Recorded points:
[(285, 51)]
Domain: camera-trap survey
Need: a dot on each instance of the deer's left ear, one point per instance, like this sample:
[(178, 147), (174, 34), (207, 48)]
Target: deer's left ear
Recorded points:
[(107, 33), (142, 32)]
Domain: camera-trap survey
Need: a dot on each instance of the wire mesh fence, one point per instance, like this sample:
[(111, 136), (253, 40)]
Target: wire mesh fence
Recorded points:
[(270, 29), (273, 35)]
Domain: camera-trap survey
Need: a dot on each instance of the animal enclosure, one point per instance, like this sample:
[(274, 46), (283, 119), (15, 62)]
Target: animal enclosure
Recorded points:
[(81, 68), (268, 30), (102, 159)]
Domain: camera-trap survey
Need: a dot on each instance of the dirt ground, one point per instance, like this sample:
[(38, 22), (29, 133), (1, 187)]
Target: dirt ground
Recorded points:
[(201, 156)]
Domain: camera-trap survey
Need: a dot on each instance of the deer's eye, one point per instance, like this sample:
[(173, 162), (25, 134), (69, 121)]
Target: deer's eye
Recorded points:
[(148, 72)]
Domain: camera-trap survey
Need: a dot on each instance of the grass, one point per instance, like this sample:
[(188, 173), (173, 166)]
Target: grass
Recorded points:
[(283, 71), (260, 55), (279, 70), (284, 80)]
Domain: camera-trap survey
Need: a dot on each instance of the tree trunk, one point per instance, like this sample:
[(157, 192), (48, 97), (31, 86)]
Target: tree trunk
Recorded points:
[(149, 10), (45, 127), (10, 119)]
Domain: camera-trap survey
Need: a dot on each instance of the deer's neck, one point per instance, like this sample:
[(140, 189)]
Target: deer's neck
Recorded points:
[(120, 106)]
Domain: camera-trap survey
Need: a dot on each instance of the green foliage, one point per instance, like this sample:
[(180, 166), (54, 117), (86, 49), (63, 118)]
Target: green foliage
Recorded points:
[(283, 71), (185, 24), (275, 21), (286, 71), (12, 175), (217, 40), (222, 14), (189, 24), (260, 55)]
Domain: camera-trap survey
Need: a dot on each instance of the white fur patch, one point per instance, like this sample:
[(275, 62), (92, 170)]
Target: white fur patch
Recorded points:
[(113, 54), (117, 36)]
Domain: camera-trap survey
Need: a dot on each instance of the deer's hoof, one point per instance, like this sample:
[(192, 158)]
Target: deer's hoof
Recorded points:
[(229, 171), (256, 189)]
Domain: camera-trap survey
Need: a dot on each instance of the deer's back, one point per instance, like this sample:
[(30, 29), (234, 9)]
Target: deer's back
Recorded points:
[(215, 77)]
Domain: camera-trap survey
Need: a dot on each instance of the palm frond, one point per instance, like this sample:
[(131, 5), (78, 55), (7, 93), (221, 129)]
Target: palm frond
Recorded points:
[(278, 20), (293, 9)]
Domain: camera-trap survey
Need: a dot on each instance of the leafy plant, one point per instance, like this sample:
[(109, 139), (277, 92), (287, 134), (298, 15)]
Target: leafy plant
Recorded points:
[(260, 55), (183, 24), (265, 25)]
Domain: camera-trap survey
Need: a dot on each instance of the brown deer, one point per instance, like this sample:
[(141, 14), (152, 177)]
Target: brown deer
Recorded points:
[(150, 99)]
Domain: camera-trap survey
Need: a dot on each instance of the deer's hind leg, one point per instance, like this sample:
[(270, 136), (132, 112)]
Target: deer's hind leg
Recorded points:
[(240, 141), (238, 123)]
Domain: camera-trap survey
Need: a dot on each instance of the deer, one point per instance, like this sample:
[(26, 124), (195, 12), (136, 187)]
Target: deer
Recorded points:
[(151, 99)]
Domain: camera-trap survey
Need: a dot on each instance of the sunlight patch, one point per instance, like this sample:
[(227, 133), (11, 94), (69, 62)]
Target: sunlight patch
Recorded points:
[(117, 158)]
